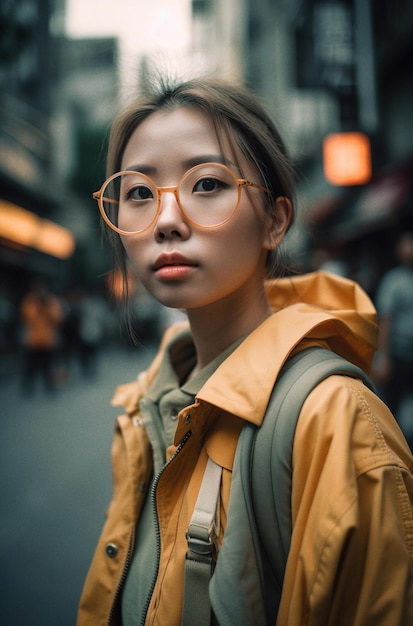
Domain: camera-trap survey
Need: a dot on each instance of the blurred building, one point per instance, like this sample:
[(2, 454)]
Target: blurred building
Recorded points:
[(57, 98), (218, 37), (56, 101), (330, 66), (26, 79), (86, 101)]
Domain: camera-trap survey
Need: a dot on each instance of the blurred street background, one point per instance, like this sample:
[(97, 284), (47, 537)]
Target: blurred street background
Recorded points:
[(55, 484), (336, 75)]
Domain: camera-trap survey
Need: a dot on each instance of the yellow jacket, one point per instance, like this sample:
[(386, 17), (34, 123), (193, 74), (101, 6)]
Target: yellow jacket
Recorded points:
[(351, 556)]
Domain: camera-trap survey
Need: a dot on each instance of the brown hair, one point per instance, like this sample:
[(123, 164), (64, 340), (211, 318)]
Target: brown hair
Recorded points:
[(236, 114)]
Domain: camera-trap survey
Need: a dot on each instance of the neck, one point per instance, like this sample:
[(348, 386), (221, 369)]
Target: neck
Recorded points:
[(213, 330)]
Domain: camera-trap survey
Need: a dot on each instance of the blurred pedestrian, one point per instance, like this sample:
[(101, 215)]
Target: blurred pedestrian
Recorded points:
[(92, 317), (393, 370), (42, 316), (198, 199)]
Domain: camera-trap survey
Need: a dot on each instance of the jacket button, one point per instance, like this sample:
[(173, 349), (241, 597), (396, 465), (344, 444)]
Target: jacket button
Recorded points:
[(187, 419), (111, 550)]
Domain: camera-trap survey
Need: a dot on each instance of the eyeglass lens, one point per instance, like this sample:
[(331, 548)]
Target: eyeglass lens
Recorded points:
[(208, 195)]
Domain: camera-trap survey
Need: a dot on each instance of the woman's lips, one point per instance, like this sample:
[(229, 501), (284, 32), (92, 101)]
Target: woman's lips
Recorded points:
[(173, 266), (174, 271)]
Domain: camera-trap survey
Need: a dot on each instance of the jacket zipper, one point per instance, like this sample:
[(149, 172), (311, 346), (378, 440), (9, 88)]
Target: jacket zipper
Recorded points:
[(157, 529)]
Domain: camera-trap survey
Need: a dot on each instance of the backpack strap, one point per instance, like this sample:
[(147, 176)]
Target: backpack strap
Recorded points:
[(270, 468), (199, 561)]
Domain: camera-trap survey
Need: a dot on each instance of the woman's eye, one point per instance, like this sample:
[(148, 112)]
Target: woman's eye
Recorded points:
[(206, 185), (140, 192)]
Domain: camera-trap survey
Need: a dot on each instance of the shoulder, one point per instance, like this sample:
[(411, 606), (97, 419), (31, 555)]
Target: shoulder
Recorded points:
[(352, 491), (351, 466), (343, 418)]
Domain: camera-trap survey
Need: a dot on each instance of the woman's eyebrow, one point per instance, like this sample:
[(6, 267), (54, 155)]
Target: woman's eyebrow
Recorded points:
[(140, 167), (186, 164), (208, 158)]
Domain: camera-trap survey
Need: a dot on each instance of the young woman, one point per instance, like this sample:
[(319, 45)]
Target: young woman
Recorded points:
[(198, 199)]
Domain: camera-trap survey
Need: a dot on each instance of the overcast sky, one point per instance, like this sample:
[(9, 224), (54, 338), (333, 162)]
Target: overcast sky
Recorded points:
[(142, 25)]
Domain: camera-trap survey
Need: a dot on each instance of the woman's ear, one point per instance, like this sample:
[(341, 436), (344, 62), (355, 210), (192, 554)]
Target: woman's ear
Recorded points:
[(278, 226)]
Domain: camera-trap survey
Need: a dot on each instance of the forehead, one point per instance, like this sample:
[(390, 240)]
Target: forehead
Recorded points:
[(183, 132), (165, 120)]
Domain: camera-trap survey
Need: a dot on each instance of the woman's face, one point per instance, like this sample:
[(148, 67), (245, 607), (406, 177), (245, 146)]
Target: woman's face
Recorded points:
[(182, 265)]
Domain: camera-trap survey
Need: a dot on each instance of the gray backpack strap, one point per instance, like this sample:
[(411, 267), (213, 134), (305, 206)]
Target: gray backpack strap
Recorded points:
[(199, 559), (270, 468)]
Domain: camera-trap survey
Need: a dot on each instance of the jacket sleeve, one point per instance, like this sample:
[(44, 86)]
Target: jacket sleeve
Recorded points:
[(351, 556)]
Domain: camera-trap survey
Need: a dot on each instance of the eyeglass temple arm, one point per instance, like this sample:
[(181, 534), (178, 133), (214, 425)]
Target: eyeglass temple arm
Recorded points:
[(96, 196), (247, 183)]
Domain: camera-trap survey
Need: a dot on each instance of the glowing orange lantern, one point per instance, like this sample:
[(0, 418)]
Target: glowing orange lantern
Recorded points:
[(347, 158)]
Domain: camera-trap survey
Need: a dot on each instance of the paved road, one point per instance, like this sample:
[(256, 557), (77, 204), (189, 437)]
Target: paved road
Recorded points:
[(55, 483)]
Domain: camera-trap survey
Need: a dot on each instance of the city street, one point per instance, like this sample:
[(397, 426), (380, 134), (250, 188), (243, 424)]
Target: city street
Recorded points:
[(55, 486)]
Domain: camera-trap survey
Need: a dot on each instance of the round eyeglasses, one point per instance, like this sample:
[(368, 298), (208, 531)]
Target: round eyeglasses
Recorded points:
[(208, 195)]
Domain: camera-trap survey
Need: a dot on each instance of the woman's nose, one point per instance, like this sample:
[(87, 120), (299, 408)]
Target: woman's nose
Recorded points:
[(170, 222)]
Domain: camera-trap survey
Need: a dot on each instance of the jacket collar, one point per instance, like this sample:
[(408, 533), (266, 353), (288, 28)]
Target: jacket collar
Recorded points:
[(242, 385)]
